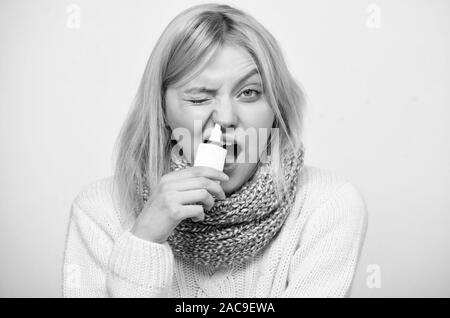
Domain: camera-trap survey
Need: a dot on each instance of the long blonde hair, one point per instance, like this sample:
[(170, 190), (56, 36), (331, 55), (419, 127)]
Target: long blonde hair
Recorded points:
[(144, 143)]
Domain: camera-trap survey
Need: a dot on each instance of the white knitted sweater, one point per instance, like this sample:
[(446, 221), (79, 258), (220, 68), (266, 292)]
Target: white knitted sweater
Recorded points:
[(314, 255)]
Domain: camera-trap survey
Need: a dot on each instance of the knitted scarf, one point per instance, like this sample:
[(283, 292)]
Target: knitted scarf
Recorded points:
[(242, 224)]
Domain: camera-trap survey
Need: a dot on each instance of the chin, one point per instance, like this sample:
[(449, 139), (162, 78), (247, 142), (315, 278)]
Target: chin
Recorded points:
[(238, 176)]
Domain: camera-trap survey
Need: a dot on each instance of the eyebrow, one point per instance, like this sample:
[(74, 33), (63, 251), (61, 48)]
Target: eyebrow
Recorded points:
[(203, 89)]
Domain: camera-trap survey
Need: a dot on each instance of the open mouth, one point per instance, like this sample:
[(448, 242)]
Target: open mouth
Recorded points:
[(233, 150)]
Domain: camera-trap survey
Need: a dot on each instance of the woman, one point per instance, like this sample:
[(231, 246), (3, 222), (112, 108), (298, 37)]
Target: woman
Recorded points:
[(267, 226)]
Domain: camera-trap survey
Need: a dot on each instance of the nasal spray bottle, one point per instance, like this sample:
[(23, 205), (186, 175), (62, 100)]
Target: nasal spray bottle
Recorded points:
[(211, 153)]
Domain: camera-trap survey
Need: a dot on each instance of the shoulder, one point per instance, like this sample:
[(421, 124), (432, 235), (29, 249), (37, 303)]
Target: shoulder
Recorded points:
[(331, 198), (95, 202)]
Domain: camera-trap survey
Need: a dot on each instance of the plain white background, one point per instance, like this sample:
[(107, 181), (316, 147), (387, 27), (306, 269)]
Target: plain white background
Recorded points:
[(376, 73)]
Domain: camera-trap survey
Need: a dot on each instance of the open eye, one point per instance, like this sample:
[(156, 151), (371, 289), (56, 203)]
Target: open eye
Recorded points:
[(250, 92)]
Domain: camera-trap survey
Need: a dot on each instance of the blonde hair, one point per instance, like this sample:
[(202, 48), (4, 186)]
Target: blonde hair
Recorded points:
[(143, 146)]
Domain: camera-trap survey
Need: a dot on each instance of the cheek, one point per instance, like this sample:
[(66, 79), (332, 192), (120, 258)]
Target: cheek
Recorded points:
[(177, 117), (260, 115), (266, 117)]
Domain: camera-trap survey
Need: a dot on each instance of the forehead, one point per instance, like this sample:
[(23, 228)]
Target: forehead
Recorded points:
[(229, 63)]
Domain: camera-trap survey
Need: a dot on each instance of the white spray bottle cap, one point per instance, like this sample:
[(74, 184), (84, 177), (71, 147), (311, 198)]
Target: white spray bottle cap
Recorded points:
[(216, 134)]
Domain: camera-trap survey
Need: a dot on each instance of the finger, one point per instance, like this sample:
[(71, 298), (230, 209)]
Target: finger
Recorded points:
[(196, 212), (199, 171), (200, 183), (196, 196)]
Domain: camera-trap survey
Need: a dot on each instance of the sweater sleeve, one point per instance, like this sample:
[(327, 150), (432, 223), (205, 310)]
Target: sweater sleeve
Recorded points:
[(98, 263), (325, 259)]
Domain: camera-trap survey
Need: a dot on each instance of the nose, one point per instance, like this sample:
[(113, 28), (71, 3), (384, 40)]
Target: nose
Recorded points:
[(225, 114)]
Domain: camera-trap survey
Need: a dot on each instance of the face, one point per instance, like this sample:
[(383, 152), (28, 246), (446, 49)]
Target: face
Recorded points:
[(229, 92)]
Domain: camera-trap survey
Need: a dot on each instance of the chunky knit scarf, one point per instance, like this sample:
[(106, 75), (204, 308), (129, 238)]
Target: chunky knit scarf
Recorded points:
[(242, 224)]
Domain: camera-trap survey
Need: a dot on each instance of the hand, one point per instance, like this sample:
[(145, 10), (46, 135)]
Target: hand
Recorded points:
[(174, 199)]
